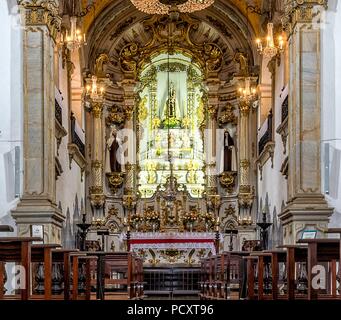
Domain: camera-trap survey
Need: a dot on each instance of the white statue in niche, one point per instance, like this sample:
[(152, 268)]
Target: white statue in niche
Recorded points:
[(114, 153)]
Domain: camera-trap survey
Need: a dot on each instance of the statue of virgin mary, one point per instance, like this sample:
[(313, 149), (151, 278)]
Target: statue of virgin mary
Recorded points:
[(172, 109)]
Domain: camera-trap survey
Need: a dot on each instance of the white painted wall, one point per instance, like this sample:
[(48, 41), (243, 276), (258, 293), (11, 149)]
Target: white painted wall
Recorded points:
[(331, 108), (70, 188), (10, 107), (272, 188)]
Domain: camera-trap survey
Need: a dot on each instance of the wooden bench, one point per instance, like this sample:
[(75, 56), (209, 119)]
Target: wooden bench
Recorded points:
[(324, 253), (221, 276), (18, 251), (119, 276)]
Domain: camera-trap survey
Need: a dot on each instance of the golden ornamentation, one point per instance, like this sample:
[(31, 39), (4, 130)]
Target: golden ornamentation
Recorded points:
[(166, 35), (300, 11), (96, 190), (97, 200), (212, 111), (243, 61), (227, 116), (116, 116), (129, 112), (228, 180), (245, 189), (245, 164), (129, 200), (127, 61), (97, 110), (115, 180), (244, 108), (42, 12), (143, 110), (101, 61), (246, 200)]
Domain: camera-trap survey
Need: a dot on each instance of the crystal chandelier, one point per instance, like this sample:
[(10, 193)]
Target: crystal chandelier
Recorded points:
[(165, 6), (74, 38), (94, 90), (271, 49), (247, 93)]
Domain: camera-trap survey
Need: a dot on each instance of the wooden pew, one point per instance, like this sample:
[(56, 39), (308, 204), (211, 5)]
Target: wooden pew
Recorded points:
[(221, 276), (324, 253), (263, 270), (77, 260), (119, 276), (16, 250), (52, 256)]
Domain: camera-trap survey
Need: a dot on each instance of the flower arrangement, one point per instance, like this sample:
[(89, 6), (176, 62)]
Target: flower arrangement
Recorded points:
[(171, 123), (191, 217), (137, 218), (152, 217), (208, 218)]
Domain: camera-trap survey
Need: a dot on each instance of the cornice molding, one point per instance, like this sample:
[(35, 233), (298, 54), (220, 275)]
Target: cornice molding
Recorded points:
[(300, 11), (40, 13)]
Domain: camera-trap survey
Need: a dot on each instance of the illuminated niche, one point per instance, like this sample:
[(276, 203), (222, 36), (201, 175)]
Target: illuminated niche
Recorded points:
[(171, 118)]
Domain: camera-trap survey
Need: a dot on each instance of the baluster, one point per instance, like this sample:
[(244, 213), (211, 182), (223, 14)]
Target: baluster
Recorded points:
[(5, 278), (56, 279), (267, 278), (284, 280), (40, 278), (338, 281), (81, 278), (302, 280), (255, 266)]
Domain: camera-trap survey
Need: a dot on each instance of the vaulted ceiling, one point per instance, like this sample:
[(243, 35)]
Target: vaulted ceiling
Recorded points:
[(229, 24)]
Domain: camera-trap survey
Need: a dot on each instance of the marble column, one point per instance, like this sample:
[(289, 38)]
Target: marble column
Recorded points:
[(97, 197), (213, 86), (130, 188), (246, 195), (307, 207), (37, 206)]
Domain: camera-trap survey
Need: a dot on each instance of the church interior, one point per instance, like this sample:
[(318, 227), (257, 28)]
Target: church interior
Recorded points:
[(170, 149)]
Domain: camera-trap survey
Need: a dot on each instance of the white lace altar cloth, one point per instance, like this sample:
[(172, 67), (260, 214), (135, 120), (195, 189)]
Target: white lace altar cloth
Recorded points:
[(173, 247)]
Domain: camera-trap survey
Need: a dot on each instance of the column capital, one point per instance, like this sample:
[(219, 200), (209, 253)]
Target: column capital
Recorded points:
[(41, 12), (244, 108), (97, 109), (301, 11)]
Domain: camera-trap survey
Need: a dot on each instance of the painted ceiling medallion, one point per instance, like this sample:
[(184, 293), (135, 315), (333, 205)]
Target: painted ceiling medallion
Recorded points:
[(164, 6)]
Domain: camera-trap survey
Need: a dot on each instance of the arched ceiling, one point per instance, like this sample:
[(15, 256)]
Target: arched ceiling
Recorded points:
[(239, 5), (227, 24)]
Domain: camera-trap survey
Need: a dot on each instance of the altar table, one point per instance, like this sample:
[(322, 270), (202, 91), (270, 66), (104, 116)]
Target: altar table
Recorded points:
[(186, 248)]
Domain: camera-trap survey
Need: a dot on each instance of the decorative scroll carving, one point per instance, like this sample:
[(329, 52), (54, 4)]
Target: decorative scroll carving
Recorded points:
[(101, 61), (227, 116), (115, 180), (168, 35), (116, 116), (228, 180)]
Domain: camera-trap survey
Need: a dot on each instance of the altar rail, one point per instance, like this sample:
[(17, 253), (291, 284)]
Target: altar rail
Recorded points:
[(171, 281)]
